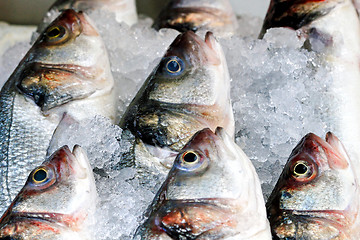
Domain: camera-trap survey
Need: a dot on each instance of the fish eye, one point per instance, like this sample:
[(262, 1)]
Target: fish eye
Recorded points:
[(174, 66), (190, 157), (301, 169), (54, 32), (40, 175)]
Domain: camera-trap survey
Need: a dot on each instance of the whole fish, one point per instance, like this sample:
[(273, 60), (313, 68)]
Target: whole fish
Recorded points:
[(209, 15), (189, 90), (332, 29), (66, 70), (211, 192), (317, 194), (124, 10), (57, 202)]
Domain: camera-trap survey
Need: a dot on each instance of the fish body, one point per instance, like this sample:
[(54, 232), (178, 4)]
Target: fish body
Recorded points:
[(206, 15), (57, 202), (317, 194), (331, 29), (189, 90), (124, 10), (66, 70), (211, 192)]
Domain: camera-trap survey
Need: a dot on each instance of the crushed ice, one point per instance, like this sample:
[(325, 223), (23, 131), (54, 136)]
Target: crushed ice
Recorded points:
[(278, 95)]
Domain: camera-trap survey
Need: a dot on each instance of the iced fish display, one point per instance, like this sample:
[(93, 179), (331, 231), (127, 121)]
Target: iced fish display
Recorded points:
[(57, 202), (331, 29), (206, 15), (124, 10), (66, 70), (187, 91), (211, 192), (317, 194)]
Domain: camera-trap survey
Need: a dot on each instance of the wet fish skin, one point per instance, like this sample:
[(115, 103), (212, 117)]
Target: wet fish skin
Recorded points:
[(211, 192), (65, 73), (206, 15), (171, 106), (317, 194), (57, 202)]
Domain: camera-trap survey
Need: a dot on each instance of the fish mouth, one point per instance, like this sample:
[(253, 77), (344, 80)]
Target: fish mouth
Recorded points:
[(52, 85), (54, 218)]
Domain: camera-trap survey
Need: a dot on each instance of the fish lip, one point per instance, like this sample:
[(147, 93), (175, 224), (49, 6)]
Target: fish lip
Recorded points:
[(71, 68), (58, 218), (80, 157)]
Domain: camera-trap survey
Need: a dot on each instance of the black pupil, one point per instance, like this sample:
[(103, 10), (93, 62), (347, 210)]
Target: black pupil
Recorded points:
[(40, 175), (173, 66), (300, 169), (54, 32), (190, 157)]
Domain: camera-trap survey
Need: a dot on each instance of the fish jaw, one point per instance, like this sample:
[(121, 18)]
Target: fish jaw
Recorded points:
[(183, 16), (215, 196), (59, 68), (324, 197), (66, 198)]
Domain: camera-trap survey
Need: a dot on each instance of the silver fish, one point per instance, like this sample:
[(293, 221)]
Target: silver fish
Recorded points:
[(125, 10), (66, 70), (331, 29), (57, 202), (317, 194), (211, 192), (189, 90), (207, 15)]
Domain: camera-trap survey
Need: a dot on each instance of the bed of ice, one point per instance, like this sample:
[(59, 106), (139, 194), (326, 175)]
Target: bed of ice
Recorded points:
[(278, 95)]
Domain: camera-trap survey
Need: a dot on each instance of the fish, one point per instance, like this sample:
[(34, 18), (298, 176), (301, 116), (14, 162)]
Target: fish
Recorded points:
[(189, 15), (317, 194), (211, 192), (330, 29), (66, 70), (189, 90), (124, 10), (58, 200)]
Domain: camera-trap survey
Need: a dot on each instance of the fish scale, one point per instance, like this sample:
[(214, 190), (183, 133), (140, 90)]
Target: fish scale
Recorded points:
[(25, 125)]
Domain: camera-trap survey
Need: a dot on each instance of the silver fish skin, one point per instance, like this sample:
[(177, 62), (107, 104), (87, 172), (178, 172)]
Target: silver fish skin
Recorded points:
[(66, 70), (332, 29), (199, 15), (57, 202), (211, 192), (317, 194), (189, 90)]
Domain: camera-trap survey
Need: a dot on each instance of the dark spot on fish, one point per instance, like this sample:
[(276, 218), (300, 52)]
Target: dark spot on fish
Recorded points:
[(9, 238), (286, 195)]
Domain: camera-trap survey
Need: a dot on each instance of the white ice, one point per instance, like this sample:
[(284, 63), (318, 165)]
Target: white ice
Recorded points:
[(279, 93)]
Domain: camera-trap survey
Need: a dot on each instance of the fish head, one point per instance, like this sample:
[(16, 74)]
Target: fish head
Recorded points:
[(295, 14), (210, 191), (209, 166), (61, 190), (189, 15), (318, 182), (60, 67)]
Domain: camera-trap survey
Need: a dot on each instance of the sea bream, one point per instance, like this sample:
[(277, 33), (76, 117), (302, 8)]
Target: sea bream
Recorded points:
[(317, 195), (331, 28), (189, 90), (66, 70), (124, 10), (57, 202), (211, 192), (196, 15)]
